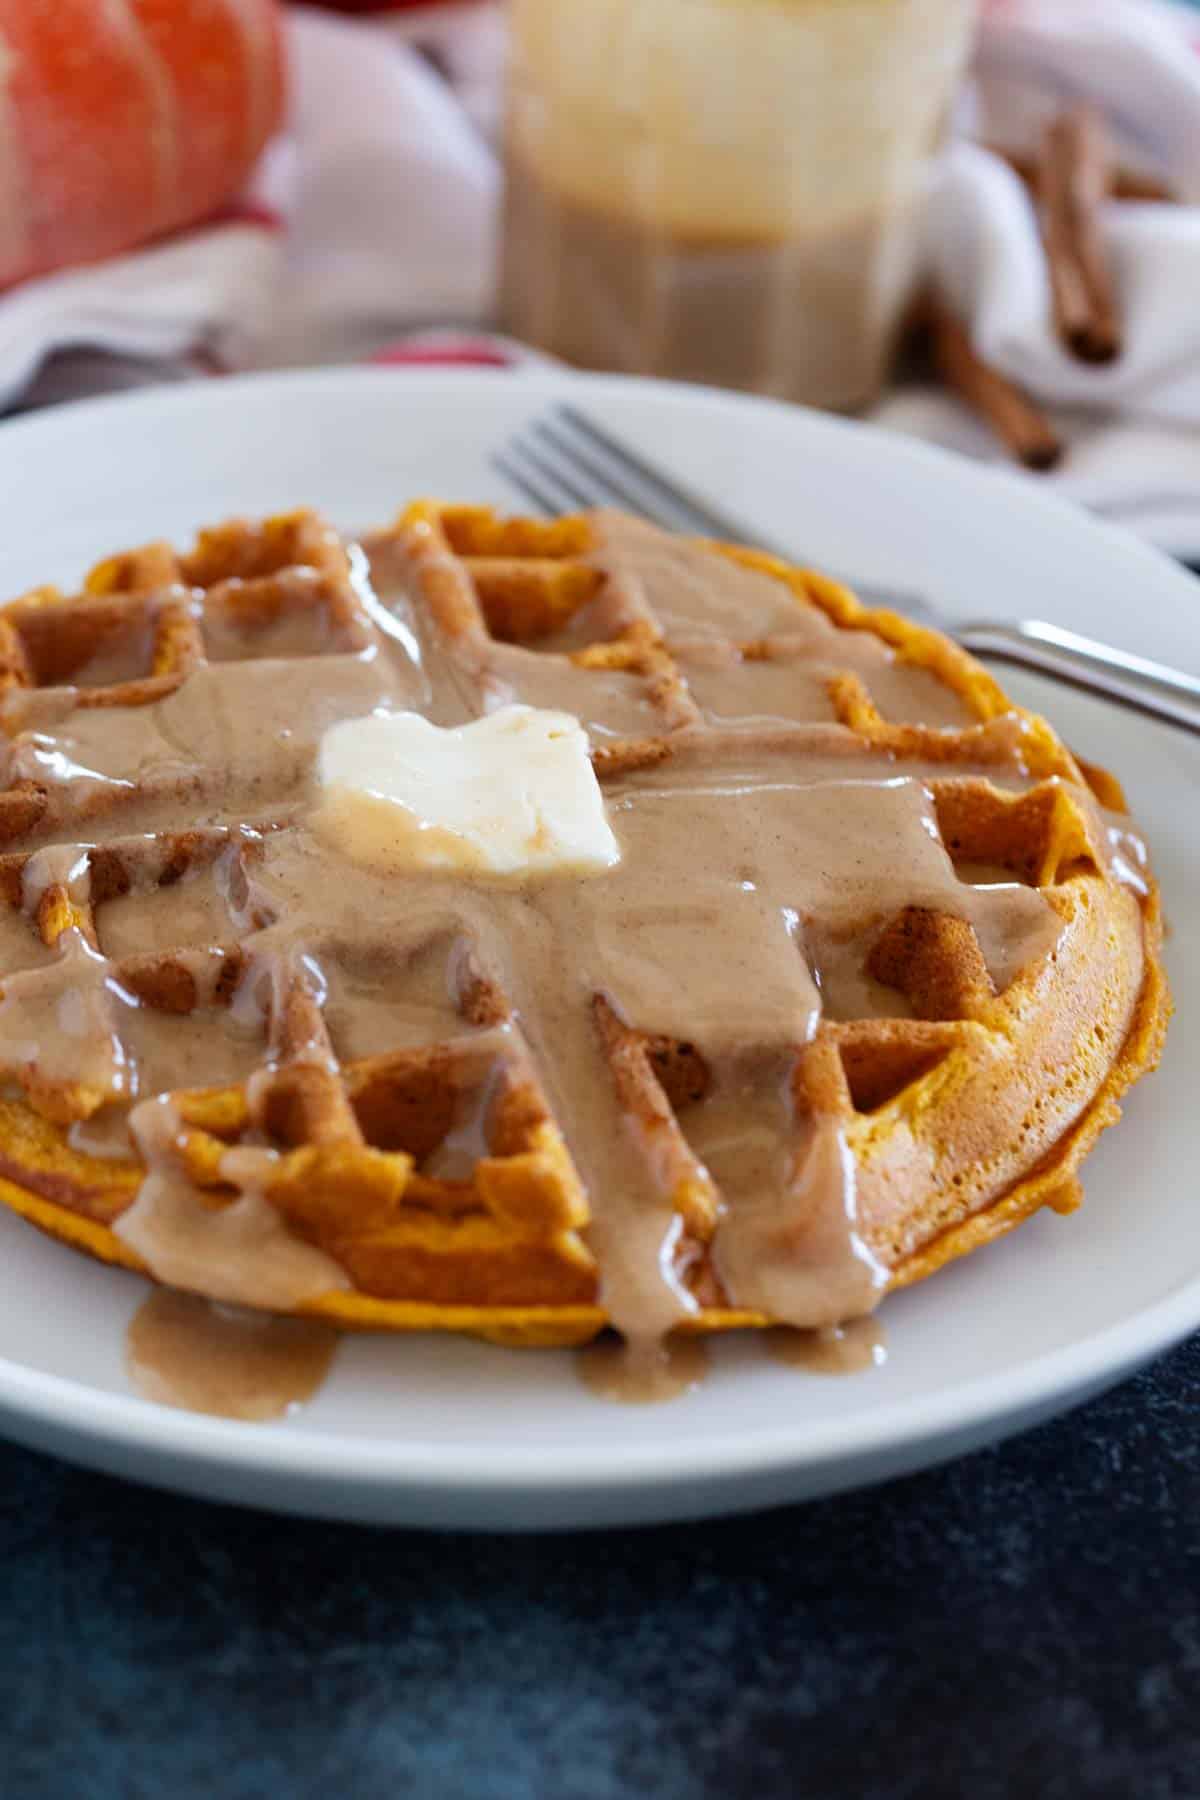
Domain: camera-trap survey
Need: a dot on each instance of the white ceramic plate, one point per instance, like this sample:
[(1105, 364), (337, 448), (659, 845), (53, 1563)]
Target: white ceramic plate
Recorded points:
[(438, 1432)]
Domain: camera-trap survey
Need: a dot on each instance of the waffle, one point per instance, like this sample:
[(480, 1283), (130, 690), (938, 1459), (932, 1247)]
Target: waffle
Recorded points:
[(919, 965)]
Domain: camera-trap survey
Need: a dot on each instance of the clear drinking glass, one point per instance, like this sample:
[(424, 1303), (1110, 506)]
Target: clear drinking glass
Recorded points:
[(723, 190)]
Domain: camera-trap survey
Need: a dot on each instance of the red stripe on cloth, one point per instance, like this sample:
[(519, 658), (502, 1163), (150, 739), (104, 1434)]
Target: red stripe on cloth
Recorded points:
[(245, 212), (205, 361), (467, 355)]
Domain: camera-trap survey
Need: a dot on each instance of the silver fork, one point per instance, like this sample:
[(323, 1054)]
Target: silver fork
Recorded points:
[(564, 460)]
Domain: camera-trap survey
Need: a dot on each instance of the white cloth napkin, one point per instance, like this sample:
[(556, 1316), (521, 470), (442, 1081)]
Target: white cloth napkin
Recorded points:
[(374, 215), (1133, 426)]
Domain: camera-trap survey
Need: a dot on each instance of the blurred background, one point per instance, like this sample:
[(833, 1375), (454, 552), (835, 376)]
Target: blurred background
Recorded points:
[(972, 220)]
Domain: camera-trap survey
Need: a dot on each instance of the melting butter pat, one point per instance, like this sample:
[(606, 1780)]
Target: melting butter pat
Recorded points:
[(510, 794)]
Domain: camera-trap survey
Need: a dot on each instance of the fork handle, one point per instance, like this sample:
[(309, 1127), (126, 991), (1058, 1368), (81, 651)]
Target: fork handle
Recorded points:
[(1118, 675)]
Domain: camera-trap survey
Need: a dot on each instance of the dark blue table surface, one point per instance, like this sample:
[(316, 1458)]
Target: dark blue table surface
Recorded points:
[(1025, 1622)]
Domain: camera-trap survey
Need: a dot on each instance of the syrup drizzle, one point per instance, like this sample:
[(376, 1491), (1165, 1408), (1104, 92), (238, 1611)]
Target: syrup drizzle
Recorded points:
[(191, 1353)]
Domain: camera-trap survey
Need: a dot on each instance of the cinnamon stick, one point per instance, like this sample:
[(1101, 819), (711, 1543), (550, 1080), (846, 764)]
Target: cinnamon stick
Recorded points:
[(1126, 184), (1074, 179), (1000, 403)]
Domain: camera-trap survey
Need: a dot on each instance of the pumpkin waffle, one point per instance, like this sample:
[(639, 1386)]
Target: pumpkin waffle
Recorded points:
[(878, 961)]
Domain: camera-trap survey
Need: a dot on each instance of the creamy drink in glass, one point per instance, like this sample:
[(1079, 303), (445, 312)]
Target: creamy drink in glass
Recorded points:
[(723, 190)]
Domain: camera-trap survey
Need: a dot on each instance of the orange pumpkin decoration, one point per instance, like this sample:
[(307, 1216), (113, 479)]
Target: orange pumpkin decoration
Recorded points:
[(123, 119)]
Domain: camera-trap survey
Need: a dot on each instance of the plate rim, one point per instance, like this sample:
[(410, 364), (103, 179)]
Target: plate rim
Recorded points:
[(298, 1455), (50, 420)]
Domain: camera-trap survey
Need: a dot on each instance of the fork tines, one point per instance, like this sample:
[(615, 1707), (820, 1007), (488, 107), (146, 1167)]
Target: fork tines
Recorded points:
[(564, 460)]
